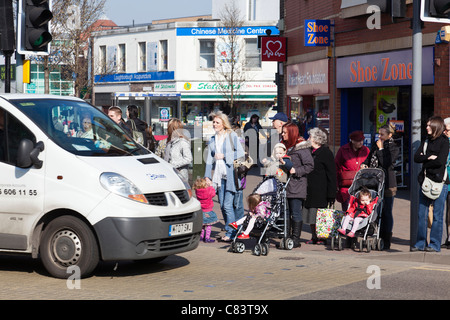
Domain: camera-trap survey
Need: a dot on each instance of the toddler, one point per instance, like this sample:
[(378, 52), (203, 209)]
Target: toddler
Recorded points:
[(359, 209), (256, 208), (205, 192), (279, 163)]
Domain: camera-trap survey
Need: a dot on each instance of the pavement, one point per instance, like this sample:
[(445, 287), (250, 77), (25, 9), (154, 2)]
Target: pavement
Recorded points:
[(400, 246)]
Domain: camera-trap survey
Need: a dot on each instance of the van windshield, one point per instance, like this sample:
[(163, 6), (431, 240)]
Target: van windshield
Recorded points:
[(79, 127)]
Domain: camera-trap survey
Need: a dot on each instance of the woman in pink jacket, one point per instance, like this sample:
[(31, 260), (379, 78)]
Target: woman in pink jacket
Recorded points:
[(348, 161)]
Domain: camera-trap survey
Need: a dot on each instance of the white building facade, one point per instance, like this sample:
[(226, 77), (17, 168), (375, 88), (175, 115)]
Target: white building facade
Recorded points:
[(165, 69)]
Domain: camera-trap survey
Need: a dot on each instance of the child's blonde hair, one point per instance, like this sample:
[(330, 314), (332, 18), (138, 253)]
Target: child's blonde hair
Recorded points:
[(200, 183), (253, 200)]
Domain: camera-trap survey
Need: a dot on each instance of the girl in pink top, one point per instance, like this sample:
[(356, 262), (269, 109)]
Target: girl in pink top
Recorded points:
[(205, 194)]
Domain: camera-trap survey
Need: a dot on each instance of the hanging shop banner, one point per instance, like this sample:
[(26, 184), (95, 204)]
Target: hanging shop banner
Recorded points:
[(383, 69), (317, 33), (307, 78), (386, 105), (273, 49)]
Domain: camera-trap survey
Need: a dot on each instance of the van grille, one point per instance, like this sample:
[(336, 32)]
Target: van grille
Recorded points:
[(156, 199), (170, 243), (160, 199), (177, 218)]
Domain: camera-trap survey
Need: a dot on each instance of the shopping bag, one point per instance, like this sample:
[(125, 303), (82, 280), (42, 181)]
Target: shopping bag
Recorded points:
[(328, 220)]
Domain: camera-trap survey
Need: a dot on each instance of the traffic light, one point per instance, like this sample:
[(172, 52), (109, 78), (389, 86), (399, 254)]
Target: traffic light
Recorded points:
[(33, 34), (7, 40), (435, 11)]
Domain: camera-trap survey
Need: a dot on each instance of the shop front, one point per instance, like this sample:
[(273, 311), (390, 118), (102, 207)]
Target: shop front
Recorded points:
[(156, 108), (308, 95), (375, 90)]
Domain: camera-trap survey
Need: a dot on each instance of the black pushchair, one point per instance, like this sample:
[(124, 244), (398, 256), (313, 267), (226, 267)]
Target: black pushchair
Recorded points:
[(276, 225), (368, 232)]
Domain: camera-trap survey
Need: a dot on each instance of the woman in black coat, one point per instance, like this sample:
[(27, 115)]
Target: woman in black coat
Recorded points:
[(383, 155), (321, 190), (434, 166)]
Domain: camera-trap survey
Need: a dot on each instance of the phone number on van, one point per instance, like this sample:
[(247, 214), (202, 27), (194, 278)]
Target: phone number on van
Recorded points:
[(18, 192)]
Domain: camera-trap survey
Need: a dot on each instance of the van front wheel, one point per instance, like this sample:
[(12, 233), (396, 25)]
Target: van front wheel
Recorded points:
[(69, 248)]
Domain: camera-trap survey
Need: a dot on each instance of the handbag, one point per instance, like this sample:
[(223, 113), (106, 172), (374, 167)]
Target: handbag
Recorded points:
[(138, 136), (432, 189), (328, 220), (241, 166)]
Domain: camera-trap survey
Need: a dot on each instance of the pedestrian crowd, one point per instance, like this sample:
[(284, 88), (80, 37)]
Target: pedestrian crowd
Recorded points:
[(317, 178)]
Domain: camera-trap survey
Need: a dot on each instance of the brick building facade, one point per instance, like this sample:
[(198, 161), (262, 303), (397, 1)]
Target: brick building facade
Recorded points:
[(368, 71)]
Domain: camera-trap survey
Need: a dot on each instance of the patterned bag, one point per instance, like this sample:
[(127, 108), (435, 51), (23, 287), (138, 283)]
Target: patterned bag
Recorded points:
[(327, 222)]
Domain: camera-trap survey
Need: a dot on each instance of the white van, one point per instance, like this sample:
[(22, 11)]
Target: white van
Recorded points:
[(75, 189)]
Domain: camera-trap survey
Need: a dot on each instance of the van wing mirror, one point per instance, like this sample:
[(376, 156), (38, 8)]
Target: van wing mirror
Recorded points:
[(28, 154)]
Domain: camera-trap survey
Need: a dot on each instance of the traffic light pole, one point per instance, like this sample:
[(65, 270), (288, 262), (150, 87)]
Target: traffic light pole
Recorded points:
[(416, 111)]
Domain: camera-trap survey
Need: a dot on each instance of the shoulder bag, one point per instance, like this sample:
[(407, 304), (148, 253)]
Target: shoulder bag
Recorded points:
[(430, 188)]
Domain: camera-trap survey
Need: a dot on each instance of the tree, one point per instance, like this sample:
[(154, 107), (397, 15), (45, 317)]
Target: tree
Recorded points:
[(229, 74), (72, 24)]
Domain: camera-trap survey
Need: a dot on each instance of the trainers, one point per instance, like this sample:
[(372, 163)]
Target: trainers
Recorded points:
[(233, 225), (351, 234), (340, 230), (243, 236)]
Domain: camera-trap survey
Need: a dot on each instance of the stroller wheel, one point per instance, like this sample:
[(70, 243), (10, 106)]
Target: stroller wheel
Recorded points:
[(288, 244), (380, 244), (239, 247), (368, 245), (257, 250), (361, 244), (264, 249)]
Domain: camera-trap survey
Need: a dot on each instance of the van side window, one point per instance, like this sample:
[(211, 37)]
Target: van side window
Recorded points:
[(11, 132)]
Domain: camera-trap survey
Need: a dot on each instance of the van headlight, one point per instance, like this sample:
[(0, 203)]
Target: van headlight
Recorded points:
[(121, 186), (186, 183)]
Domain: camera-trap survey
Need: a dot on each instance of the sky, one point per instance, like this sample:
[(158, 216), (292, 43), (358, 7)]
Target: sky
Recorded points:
[(123, 12)]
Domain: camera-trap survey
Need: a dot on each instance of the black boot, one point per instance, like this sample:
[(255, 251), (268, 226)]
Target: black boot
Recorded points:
[(386, 240), (296, 232)]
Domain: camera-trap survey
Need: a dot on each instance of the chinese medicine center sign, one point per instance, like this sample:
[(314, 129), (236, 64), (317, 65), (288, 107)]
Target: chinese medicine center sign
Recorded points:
[(273, 49)]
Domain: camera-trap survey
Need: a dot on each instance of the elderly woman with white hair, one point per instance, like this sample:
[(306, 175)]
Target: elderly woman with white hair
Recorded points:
[(321, 190)]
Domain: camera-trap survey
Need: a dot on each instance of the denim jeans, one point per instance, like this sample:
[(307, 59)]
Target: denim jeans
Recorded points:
[(239, 204), (226, 201), (295, 209), (438, 217)]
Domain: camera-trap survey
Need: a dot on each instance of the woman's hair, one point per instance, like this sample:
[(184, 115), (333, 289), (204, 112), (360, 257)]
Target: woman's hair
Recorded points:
[(293, 135), (318, 136), (174, 129), (200, 183), (390, 129), (253, 200), (133, 111), (222, 116), (437, 126)]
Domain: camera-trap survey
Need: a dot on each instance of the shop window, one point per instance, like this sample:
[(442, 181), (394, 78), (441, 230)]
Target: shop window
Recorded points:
[(252, 53), (102, 59), (121, 66), (163, 55), (207, 54), (142, 57)]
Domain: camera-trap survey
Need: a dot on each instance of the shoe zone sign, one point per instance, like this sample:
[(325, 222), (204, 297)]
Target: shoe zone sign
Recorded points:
[(317, 33)]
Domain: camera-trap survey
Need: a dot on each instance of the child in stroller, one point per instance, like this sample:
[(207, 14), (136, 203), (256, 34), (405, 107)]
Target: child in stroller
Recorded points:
[(257, 209), (360, 207)]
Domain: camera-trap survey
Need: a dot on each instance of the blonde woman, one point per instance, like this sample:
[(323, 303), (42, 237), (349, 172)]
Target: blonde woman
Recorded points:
[(178, 148), (224, 147)]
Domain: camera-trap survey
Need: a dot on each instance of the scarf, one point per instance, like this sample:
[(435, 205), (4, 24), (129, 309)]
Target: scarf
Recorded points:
[(220, 172)]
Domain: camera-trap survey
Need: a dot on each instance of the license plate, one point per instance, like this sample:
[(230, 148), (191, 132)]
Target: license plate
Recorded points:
[(182, 228)]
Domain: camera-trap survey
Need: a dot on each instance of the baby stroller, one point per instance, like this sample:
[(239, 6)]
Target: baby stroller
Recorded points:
[(368, 232), (274, 192)]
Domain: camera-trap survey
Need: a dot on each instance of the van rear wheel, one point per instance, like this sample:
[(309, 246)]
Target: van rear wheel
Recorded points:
[(67, 242)]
